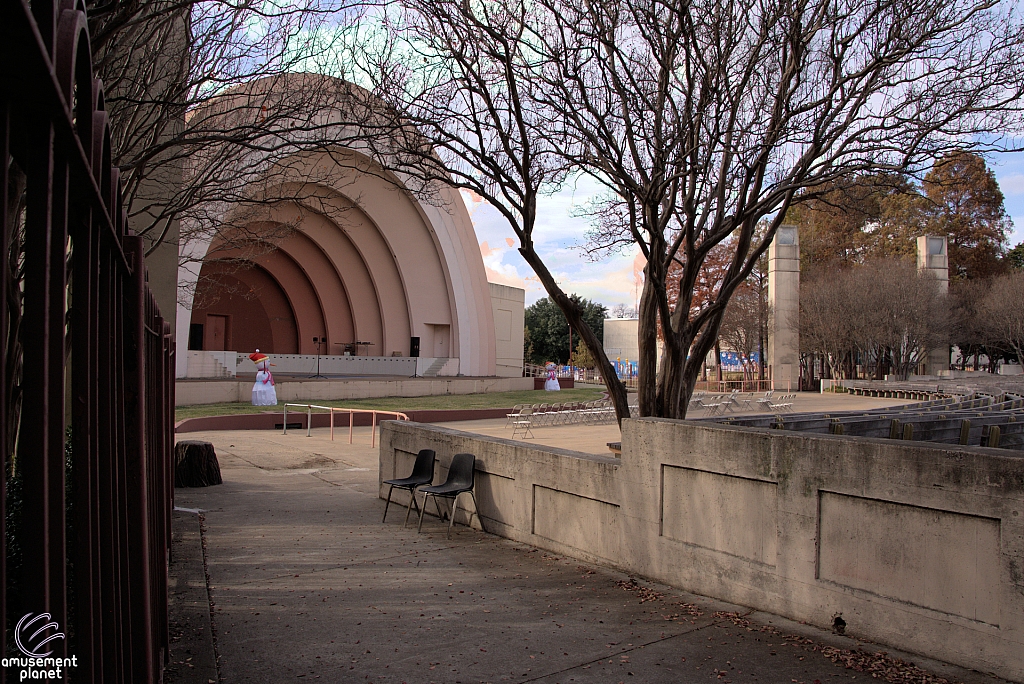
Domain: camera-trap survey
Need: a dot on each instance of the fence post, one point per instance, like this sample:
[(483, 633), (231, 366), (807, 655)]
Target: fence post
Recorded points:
[(99, 347), (139, 571)]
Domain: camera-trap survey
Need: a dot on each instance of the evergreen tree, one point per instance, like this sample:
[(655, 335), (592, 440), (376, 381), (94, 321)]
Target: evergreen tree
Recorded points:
[(549, 331), (1015, 258)]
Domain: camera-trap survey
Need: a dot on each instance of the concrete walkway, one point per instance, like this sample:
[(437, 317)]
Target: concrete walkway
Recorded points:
[(307, 584)]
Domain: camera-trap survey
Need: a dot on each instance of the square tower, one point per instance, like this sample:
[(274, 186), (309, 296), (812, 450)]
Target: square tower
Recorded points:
[(784, 296), (933, 258)]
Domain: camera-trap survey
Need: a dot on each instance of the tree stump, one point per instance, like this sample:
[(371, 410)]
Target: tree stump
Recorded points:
[(195, 464)]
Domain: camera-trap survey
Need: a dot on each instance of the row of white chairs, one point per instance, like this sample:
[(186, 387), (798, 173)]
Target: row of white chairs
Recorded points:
[(719, 404), (784, 404), (562, 414), (716, 405), (524, 417)]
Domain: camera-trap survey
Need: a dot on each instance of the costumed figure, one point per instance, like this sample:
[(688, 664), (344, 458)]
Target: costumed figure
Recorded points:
[(263, 392), (551, 384)]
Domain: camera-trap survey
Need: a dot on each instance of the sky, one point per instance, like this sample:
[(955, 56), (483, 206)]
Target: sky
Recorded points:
[(613, 280), (558, 237)]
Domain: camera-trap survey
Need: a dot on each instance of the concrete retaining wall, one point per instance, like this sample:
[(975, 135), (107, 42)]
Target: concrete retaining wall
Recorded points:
[(191, 392), (918, 546), (217, 364)]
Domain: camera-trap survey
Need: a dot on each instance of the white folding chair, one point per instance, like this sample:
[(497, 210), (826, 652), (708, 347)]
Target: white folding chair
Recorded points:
[(523, 423), (509, 417)]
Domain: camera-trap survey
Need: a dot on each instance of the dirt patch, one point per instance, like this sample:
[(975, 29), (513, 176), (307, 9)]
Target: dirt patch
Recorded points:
[(317, 461)]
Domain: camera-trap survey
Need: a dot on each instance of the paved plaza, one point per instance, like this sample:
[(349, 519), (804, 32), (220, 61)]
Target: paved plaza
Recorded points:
[(307, 584), (593, 438)]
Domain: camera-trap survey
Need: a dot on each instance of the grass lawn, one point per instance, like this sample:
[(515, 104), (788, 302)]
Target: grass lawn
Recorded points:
[(444, 401)]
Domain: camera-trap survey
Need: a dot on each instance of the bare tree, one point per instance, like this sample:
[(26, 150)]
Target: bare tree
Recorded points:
[(708, 119), (903, 313), (622, 310), (885, 310), (968, 329), (1003, 312), (828, 319), (703, 121), (185, 120), (742, 325), (460, 78)]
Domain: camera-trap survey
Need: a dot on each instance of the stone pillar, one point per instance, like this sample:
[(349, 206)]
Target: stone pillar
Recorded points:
[(933, 258), (784, 297)]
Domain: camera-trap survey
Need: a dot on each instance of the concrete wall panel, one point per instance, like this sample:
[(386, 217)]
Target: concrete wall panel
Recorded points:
[(590, 525), (497, 498), (935, 559), (734, 515)]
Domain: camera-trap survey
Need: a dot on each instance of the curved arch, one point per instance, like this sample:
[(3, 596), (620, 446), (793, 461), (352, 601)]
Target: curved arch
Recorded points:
[(332, 300), (356, 246), (346, 282), (293, 280), (260, 314), (408, 268)]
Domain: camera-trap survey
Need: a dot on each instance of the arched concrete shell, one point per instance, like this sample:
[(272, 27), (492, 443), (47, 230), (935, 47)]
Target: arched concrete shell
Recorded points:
[(365, 261)]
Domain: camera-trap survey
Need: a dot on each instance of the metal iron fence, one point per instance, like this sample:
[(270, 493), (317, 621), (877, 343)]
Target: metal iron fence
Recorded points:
[(87, 384)]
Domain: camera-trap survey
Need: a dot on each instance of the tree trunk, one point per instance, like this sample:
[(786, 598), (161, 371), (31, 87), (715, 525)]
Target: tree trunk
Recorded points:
[(718, 360), (616, 390), (195, 464), (678, 374), (647, 342)]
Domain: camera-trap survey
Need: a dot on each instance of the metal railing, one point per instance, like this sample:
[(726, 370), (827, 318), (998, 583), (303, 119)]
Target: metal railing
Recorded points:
[(88, 445), (743, 385), (351, 419)]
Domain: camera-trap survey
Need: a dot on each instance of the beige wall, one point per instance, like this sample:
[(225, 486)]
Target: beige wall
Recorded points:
[(918, 546), (508, 305), (621, 339)]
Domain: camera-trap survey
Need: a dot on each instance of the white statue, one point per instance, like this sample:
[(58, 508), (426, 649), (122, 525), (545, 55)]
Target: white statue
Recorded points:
[(551, 384), (263, 392)]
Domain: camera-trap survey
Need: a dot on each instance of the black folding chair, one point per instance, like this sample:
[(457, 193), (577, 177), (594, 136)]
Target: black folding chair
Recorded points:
[(460, 479), (422, 474)]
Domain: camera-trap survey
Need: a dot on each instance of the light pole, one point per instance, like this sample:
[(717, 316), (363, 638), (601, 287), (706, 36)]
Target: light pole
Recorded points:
[(318, 341), (570, 349)]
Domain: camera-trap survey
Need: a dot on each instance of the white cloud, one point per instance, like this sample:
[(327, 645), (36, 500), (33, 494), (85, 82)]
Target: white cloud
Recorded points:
[(1012, 185), (609, 281), (1017, 236)]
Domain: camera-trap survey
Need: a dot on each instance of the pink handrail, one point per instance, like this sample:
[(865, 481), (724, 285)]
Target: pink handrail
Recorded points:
[(351, 419), (373, 428)]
